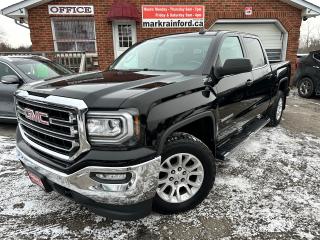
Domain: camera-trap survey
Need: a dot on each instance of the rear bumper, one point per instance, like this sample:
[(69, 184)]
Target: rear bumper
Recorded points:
[(139, 188)]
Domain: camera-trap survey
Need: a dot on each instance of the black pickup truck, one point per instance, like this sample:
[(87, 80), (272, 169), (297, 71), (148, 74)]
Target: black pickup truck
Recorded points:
[(146, 133)]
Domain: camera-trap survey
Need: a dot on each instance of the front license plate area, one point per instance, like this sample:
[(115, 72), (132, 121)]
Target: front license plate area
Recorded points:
[(38, 180)]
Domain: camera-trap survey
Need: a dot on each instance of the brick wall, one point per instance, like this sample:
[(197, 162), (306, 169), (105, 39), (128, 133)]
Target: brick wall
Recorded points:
[(290, 17)]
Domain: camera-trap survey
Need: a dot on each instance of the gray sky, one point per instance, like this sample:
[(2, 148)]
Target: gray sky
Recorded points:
[(19, 36)]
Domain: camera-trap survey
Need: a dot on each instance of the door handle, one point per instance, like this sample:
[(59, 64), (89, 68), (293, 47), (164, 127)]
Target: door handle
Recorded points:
[(249, 82)]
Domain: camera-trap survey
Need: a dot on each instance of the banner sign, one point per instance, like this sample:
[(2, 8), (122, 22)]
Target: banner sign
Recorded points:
[(71, 9), (173, 16)]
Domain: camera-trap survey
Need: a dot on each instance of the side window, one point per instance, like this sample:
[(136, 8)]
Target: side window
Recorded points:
[(5, 70), (255, 52), (230, 49)]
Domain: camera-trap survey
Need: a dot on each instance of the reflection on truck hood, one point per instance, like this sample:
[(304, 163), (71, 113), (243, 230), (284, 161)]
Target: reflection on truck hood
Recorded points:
[(110, 87)]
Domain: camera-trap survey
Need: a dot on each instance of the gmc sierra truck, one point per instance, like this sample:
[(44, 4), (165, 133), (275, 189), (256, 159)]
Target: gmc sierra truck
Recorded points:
[(145, 134)]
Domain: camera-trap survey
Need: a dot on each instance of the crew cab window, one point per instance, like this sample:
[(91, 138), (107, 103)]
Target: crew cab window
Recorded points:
[(5, 70), (255, 52), (230, 49)]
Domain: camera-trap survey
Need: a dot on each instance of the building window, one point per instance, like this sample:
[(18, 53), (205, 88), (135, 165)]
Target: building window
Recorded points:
[(125, 35), (70, 34)]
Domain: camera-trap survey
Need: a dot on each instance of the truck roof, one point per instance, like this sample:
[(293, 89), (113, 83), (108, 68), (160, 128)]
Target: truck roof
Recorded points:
[(13, 58), (203, 32)]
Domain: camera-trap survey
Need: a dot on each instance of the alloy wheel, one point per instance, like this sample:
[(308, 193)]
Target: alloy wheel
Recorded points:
[(279, 109), (181, 177)]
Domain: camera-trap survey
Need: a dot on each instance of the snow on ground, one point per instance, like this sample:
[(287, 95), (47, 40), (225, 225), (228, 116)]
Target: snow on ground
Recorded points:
[(269, 189)]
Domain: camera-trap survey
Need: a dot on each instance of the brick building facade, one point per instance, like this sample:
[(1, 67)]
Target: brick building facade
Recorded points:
[(282, 12)]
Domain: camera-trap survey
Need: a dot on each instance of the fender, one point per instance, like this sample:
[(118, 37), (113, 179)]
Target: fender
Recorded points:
[(285, 79), (183, 123)]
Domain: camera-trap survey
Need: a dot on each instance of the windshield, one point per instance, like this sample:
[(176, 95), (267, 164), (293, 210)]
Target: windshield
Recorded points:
[(165, 54), (41, 69)]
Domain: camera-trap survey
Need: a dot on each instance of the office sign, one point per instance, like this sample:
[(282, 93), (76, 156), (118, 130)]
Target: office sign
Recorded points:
[(71, 9), (173, 16)]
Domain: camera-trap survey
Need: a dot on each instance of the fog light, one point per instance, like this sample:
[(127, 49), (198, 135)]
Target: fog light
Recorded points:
[(111, 178)]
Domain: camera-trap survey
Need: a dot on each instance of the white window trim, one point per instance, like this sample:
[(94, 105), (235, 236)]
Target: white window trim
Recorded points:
[(54, 34), (134, 34), (275, 21)]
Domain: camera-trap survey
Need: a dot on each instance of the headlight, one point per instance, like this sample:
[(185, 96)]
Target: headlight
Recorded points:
[(110, 127)]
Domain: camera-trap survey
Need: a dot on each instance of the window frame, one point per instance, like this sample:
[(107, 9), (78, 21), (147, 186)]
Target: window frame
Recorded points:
[(223, 40), (314, 57), (266, 61), (73, 41), (17, 74)]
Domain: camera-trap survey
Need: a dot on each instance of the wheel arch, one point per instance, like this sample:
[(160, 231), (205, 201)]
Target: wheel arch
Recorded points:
[(182, 126)]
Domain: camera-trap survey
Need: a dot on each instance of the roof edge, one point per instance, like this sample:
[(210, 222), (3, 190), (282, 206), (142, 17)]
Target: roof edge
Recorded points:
[(26, 4), (21, 5), (303, 4)]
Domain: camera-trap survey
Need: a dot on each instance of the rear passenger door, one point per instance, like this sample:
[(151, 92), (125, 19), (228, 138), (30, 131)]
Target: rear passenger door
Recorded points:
[(232, 98), (259, 92)]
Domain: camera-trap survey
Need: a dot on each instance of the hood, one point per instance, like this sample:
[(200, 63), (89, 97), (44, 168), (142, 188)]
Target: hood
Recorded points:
[(108, 89)]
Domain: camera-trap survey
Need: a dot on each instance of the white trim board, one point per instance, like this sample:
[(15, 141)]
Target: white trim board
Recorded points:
[(26, 4)]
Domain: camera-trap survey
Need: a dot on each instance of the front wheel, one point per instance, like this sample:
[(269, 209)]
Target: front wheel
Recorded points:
[(187, 174)]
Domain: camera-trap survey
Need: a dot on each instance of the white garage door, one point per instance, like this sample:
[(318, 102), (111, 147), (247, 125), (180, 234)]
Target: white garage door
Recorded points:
[(269, 33)]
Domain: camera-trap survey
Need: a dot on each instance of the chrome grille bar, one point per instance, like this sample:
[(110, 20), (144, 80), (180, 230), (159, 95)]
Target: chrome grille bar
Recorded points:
[(65, 137)]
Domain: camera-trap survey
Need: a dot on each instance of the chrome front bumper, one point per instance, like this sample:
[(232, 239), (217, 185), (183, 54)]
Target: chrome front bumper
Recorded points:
[(142, 185)]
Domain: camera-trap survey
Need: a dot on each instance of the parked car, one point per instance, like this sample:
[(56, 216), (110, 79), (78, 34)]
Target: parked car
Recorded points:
[(307, 77), (18, 70), (145, 134)]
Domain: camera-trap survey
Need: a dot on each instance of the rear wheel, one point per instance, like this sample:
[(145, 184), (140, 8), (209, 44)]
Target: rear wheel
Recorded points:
[(305, 88), (186, 175), (276, 110)]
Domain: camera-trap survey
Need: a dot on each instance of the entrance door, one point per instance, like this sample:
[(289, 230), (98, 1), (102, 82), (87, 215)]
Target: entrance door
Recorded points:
[(124, 36)]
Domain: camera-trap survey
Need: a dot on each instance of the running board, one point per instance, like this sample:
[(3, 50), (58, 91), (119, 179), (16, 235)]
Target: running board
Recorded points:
[(224, 150)]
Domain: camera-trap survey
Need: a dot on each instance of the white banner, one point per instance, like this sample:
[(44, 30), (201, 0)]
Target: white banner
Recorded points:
[(71, 9)]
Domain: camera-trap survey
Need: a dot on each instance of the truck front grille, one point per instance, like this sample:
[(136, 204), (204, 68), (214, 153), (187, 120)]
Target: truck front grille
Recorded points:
[(52, 129)]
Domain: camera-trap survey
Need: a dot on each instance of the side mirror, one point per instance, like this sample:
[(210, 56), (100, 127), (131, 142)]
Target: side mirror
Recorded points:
[(234, 66), (10, 79)]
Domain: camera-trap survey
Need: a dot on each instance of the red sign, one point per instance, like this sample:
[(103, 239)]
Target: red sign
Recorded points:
[(173, 16), (248, 11)]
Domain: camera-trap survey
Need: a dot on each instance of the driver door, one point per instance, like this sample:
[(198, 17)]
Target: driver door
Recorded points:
[(7, 108)]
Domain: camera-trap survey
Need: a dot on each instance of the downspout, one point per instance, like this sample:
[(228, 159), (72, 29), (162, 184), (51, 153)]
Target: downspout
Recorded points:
[(21, 24)]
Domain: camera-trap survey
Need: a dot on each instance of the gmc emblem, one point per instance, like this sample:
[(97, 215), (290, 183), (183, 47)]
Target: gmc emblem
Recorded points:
[(36, 116)]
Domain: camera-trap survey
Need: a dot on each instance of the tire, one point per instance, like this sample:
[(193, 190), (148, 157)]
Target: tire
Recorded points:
[(305, 88), (183, 146), (274, 114)]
